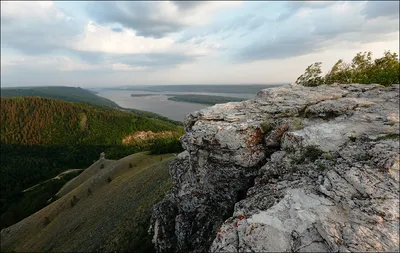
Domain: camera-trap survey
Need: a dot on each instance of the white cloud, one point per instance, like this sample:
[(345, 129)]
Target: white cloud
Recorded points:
[(125, 67), (100, 38)]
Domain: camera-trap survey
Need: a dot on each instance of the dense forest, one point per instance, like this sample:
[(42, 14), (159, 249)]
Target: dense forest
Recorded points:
[(41, 137), (203, 99), (362, 69), (72, 94), (76, 94)]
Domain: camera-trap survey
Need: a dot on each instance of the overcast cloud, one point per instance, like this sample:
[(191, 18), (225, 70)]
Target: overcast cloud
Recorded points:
[(102, 43)]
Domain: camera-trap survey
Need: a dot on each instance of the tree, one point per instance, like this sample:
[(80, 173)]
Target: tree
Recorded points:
[(312, 75), (362, 69), (340, 73), (386, 70)]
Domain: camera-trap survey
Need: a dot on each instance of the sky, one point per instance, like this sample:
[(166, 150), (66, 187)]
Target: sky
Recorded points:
[(105, 44)]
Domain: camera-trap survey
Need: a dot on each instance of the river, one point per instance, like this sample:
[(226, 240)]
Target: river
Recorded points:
[(159, 103)]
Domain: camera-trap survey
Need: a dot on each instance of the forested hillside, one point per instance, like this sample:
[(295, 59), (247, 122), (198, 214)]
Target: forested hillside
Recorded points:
[(72, 94), (75, 94), (41, 137)]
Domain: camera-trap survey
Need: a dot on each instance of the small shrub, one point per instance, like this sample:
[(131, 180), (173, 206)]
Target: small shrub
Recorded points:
[(130, 165), (352, 138), (328, 156), (388, 137), (297, 124), (363, 156), (73, 201), (321, 166), (293, 168), (266, 126), (312, 153), (102, 166), (89, 191), (109, 179), (46, 221)]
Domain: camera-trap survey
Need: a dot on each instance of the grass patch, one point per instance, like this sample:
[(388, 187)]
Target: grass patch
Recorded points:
[(266, 126), (310, 153), (328, 156), (388, 137), (352, 138), (297, 124), (321, 166)]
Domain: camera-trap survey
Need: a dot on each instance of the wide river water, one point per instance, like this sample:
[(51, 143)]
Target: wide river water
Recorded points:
[(159, 103)]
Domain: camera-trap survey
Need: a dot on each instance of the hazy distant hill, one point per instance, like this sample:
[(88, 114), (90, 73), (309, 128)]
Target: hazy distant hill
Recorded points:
[(72, 94), (250, 89), (203, 99), (41, 137)]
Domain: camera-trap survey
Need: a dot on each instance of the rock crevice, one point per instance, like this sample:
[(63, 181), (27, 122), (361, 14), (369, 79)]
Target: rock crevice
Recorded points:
[(295, 169)]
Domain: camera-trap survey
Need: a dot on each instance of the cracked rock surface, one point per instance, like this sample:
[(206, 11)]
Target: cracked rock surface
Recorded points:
[(300, 169)]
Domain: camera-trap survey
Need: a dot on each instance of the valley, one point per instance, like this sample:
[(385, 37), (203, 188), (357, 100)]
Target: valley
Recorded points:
[(111, 195), (199, 126), (43, 137)]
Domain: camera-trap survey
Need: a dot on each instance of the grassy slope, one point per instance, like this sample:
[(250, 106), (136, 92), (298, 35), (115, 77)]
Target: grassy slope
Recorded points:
[(114, 216)]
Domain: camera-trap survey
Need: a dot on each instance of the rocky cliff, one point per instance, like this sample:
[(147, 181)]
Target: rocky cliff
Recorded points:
[(295, 169)]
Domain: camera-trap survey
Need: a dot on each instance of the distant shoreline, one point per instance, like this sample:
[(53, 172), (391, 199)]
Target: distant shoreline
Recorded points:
[(198, 88)]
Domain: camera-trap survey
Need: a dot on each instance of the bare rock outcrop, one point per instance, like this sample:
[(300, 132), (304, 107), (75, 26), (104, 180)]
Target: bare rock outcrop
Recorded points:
[(295, 169)]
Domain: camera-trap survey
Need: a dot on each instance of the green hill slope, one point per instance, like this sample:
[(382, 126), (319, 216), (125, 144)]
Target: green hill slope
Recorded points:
[(108, 211), (42, 137)]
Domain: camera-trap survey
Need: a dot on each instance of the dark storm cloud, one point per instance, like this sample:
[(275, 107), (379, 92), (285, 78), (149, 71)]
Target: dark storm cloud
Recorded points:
[(278, 48), (150, 60), (187, 5), (375, 9), (117, 29), (142, 17)]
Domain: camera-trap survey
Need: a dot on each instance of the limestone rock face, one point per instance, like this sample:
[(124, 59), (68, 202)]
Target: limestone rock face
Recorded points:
[(295, 169)]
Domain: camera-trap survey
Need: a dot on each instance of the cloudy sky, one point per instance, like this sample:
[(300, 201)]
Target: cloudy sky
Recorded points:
[(95, 44)]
